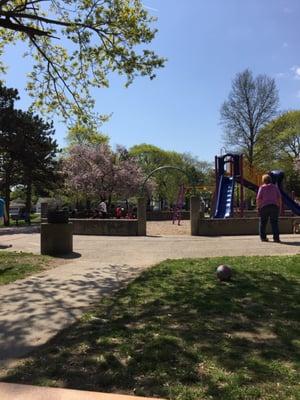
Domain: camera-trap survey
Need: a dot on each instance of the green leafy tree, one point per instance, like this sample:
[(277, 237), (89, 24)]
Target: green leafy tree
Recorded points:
[(8, 159), (27, 149), (202, 172), (76, 44), (167, 181), (251, 104), (37, 154), (85, 134), (149, 156), (8, 96), (279, 147), (280, 139)]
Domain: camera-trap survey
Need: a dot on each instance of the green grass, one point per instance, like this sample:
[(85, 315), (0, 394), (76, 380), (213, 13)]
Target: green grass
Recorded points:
[(177, 332), (34, 218), (15, 266)]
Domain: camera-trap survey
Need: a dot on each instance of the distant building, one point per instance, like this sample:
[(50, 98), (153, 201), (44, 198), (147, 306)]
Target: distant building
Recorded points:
[(49, 200), (17, 203)]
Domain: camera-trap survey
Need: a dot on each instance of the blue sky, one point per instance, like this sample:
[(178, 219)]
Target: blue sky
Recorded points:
[(206, 43)]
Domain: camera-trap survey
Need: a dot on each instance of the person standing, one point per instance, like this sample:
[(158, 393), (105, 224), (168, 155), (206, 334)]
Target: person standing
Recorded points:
[(3, 217), (3, 214), (102, 209), (268, 201)]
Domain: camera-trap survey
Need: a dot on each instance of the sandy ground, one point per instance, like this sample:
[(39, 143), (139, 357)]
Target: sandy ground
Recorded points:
[(167, 228)]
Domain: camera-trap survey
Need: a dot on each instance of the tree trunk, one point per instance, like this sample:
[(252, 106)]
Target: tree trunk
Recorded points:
[(28, 201), (251, 150), (7, 197)]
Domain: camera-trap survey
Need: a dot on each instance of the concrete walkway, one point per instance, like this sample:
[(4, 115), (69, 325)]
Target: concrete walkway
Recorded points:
[(34, 309), (10, 391)]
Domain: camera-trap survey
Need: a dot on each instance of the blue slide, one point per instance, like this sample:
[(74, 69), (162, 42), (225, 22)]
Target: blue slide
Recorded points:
[(289, 202), (248, 184), (224, 206)]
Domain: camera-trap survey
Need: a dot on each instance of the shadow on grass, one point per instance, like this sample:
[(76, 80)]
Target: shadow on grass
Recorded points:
[(43, 304), (176, 332)]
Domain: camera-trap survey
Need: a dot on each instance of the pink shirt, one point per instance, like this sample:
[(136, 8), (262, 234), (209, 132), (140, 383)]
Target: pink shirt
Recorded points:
[(268, 194)]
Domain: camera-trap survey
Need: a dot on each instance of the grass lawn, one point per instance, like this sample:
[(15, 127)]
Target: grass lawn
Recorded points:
[(15, 266), (34, 218), (178, 333)]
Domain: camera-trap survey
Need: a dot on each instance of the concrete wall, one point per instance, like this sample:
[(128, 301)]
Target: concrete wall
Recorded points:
[(195, 214), (253, 214), (142, 216), (241, 226), (109, 227)]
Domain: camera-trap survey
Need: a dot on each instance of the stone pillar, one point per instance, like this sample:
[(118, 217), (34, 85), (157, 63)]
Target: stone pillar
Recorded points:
[(195, 214), (56, 239), (142, 216)]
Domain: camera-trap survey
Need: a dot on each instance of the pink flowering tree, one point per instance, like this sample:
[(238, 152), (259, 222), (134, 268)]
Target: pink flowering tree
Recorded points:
[(97, 171)]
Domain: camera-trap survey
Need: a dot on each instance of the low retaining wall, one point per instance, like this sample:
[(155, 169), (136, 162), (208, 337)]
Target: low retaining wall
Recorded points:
[(165, 215), (109, 227), (253, 214), (241, 226)]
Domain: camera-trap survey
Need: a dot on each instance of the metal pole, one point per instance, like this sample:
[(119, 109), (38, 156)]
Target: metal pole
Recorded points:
[(242, 186)]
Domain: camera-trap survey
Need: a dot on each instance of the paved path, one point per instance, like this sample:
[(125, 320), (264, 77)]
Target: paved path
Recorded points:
[(34, 309), (9, 391)]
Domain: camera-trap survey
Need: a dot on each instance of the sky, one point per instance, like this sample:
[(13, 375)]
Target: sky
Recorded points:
[(206, 43)]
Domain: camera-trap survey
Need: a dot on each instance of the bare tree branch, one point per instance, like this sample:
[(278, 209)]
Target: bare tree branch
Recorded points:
[(252, 103)]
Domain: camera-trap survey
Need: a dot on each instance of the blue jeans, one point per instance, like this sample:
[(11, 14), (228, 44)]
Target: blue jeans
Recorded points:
[(270, 211)]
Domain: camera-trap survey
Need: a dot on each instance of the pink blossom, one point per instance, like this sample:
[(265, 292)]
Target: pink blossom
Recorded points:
[(98, 171)]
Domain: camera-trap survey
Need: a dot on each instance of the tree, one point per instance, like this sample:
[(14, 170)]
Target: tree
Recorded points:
[(8, 96), (8, 159), (96, 171), (27, 150), (76, 44), (279, 147), (280, 138), (149, 156), (251, 104), (82, 134), (167, 182), (37, 154), (202, 172)]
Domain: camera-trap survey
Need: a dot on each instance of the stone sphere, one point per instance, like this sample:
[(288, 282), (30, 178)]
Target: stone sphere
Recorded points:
[(224, 272)]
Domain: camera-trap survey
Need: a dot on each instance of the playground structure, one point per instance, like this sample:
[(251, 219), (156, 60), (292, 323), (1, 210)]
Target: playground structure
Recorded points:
[(233, 171), (233, 175)]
